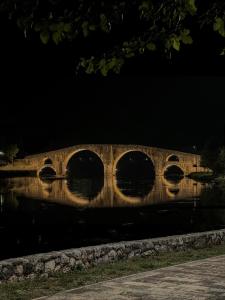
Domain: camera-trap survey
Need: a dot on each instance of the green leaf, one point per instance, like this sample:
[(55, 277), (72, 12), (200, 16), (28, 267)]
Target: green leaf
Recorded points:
[(56, 37), (144, 5), (129, 55), (44, 36), (102, 62), (92, 27), (118, 65), (219, 26), (173, 42), (191, 6), (83, 62), (125, 44), (187, 40), (67, 27), (141, 50), (104, 23), (90, 68), (185, 37), (222, 52), (112, 63), (85, 28), (185, 31), (151, 46), (168, 44), (104, 70), (176, 44)]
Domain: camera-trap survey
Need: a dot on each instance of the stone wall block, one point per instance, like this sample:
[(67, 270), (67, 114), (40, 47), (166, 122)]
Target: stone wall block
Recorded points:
[(44, 264)]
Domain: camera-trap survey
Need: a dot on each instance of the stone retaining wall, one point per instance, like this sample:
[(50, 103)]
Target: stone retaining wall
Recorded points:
[(44, 264)]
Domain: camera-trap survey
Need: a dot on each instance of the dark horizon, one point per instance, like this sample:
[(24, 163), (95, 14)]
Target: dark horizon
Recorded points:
[(173, 119), (154, 102)]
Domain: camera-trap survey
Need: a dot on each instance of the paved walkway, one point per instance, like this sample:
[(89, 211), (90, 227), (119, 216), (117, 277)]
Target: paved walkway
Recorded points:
[(202, 279)]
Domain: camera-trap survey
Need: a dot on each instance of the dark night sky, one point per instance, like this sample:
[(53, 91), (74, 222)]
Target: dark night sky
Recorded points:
[(153, 102)]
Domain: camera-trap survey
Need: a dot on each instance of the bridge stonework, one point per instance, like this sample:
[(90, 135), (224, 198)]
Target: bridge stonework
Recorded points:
[(109, 155)]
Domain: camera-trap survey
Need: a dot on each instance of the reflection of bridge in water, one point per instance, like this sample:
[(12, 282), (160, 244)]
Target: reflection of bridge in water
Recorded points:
[(57, 191)]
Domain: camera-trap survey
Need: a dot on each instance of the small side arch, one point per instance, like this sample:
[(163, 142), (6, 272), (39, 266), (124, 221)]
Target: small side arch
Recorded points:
[(48, 161), (173, 157), (173, 171), (172, 192), (46, 172)]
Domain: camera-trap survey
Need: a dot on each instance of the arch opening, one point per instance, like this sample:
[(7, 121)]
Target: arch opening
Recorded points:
[(48, 161), (174, 191), (47, 172), (173, 157), (135, 174), (85, 174), (174, 173)]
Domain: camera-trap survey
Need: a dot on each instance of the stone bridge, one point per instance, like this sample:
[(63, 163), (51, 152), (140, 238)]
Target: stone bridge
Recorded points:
[(109, 155)]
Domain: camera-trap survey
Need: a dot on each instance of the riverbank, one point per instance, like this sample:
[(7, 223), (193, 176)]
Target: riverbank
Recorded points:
[(44, 264), (34, 288)]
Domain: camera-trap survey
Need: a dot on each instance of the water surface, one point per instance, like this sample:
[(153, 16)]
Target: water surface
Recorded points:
[(42, 215)]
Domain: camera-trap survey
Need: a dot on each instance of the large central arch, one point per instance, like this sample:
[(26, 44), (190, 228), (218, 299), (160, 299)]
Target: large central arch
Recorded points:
[(115, 165), (76, 152), (85, 173), (134, 174)]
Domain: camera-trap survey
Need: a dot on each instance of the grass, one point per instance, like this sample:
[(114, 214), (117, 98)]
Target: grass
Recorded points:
[(34, 288)]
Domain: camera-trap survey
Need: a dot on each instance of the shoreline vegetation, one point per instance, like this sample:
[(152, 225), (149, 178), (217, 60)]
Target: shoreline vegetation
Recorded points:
[(38, 287), (202, 176)]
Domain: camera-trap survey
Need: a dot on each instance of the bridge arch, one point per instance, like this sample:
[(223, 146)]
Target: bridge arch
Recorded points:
[(134, 200), (47, 161), (172, 192), (133, 168), (46, 186), (123, 197), (85, 176), (173, 157), (76, 152), (173, 170), (116, 161), (172, 188), (79, 200), (46, 171)]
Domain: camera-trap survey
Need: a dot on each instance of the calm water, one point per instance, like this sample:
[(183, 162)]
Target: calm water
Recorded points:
[(40, 215)]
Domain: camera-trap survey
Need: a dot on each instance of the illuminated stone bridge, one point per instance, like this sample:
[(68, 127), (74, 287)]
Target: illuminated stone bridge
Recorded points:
[(110, 155)]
